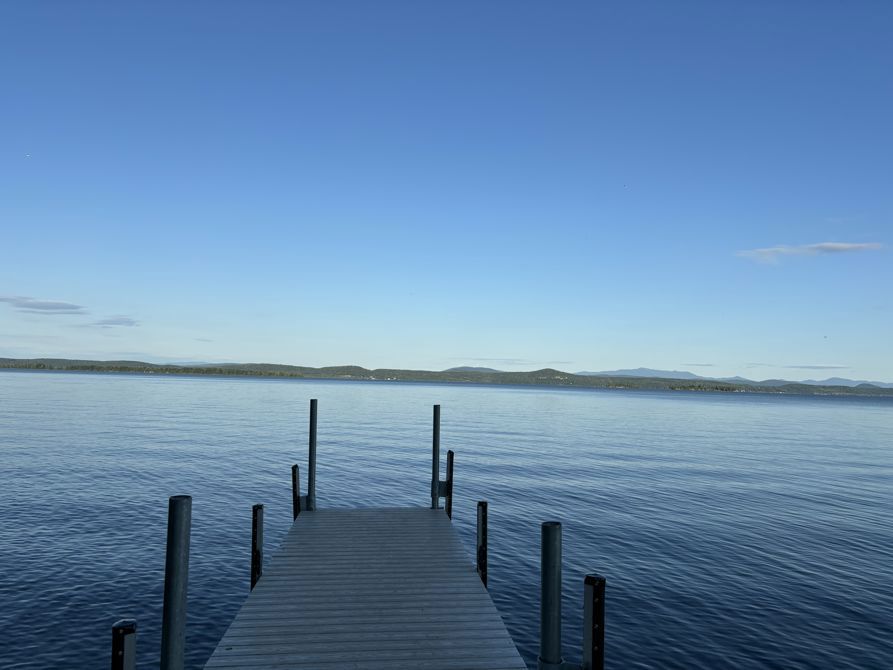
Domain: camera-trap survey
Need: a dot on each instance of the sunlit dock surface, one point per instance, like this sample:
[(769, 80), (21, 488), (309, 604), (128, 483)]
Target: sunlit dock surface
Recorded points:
[(369, 588)]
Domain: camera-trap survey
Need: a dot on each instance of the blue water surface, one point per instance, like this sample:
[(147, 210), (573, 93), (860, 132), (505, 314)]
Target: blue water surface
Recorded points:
[(735, 531)]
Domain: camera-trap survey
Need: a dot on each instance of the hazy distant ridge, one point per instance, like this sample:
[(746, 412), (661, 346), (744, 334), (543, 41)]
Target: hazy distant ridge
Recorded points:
[(681, 374)]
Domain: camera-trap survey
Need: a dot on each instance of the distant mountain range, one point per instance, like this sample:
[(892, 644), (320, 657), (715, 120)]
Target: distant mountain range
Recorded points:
[(642, 379), (682, 374)]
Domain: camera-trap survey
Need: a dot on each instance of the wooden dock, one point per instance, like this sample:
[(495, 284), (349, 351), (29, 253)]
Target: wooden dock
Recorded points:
[(369, 588)]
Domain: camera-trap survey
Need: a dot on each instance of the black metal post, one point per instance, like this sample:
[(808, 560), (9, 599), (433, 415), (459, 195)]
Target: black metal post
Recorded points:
[(482, 541), (124, 645), (295, 491), (311, 471), (435, 460), (449, 484), (176, 574), (550, 597), (257, 543), (594, 622)]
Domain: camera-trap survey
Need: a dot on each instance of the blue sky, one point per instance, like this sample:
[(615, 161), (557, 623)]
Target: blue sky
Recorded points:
[(423, 185)]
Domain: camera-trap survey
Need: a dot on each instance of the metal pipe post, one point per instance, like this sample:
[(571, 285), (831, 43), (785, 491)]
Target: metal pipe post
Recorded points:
[(176, 573), (594, 622), (124, 645), (295, 491), (550, 597), (257, 543), (482, 541), (311, 472), (435, 460), (449, 484)]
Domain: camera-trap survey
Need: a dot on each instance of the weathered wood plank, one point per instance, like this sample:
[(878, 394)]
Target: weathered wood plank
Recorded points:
[(369, 588)]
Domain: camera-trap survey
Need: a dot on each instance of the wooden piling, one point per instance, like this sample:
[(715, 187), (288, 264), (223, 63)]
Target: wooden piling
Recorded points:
[(449, 484), (295, 491), (481, 561), (257, 543), (311, 470), (176, 575), (594, 622), (435, 460), (550, 597)]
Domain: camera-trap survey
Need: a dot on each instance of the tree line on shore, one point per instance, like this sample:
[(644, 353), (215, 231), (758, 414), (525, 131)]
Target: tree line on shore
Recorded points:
[(544, 377)]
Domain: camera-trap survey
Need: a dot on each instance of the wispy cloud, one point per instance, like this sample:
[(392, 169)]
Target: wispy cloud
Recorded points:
[(203, 339), (30, 305), (30, 337), (819, 366), (116, 321), (34, 306), (496, 361), (699, 365), (772, 254), (510, 361)]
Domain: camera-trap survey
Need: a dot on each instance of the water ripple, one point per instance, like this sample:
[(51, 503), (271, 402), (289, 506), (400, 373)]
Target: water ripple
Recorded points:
[(736, 532)]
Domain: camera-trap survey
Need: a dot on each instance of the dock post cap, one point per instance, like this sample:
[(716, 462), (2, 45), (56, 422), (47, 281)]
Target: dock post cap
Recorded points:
[(563, 665), (594, 579), (124, 645)]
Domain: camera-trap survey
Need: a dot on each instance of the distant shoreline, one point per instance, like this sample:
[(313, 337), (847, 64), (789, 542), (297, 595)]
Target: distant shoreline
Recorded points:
[(546, 377)]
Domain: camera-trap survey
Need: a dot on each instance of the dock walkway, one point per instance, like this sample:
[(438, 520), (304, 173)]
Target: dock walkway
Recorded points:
[(369, 588)]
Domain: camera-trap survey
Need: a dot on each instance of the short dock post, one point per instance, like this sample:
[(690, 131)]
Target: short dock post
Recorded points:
[(176, 573), (257, 543), (449, 484), (594, 622), (435, 460), (295, 491), (550, 597), (311, 471), (124, 645), (482, 541)]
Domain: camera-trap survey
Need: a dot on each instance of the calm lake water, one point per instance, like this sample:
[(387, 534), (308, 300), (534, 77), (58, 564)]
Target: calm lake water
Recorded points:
[(736, 531)]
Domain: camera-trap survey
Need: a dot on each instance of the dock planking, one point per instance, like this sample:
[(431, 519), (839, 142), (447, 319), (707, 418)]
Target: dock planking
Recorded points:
[(369, 588)]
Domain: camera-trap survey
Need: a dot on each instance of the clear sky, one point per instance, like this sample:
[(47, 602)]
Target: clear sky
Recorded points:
[(580, 185)]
